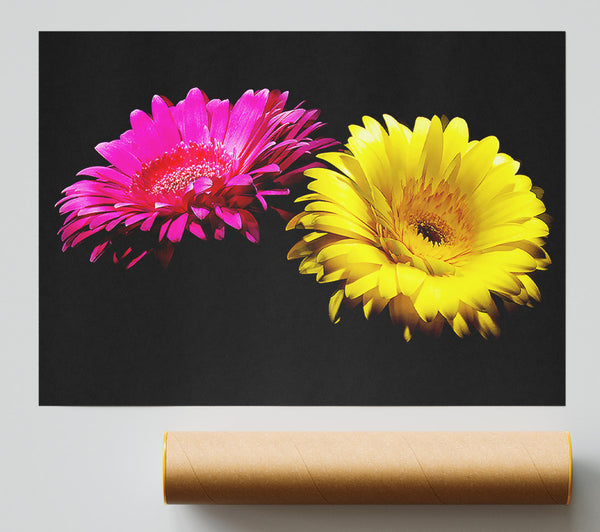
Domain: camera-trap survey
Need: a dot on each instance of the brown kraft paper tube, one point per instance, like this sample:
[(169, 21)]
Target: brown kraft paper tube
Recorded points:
[(367, 467)]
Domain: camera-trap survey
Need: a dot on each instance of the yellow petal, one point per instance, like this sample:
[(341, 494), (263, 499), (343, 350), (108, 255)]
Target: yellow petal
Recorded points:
[(388, 285), (334, 208), (336, 275), (476, 163), (500, 281), (309, 266), (372, 303), (397, 149), (433, 151), (417, 142), (396, 247), (426, 299), (419, 263), (456, 137), (334, 305), (503, 158), (299, 250), (510, 207), (530, 286), (448, 301), (409, 278), (472, 291), (362, 284), (343, 193), (451, 172), (381, 206), (523, 184), (439, 267), (402, 311), (515, 260), (510, 232), (373, 160), (348, 165), (365, 253), (539, 192), (499, 178), (487, 325), (460, 327), (332, 223)]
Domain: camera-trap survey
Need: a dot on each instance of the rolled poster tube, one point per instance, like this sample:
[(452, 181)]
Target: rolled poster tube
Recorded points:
[(367, 468)]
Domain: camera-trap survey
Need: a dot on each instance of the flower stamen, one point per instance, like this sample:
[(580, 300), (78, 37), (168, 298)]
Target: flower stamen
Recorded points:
[(174, 171), (433, 228)]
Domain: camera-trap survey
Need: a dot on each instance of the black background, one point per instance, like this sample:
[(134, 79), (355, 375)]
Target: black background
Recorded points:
[(232, 323)]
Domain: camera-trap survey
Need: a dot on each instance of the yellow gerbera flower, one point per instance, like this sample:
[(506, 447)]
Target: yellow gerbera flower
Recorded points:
[(426, 221)]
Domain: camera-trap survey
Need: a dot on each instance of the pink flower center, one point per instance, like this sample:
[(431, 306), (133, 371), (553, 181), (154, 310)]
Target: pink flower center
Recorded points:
[(174, 171)]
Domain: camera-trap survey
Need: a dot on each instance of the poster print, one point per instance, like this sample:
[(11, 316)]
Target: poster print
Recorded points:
[(439, 259)]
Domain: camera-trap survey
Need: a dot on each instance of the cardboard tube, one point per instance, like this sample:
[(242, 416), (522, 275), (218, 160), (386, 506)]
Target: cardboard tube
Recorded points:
[(367, 467)]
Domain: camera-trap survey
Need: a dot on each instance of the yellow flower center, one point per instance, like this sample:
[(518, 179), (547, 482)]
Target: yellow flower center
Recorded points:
[(427, 225), (431, 227)]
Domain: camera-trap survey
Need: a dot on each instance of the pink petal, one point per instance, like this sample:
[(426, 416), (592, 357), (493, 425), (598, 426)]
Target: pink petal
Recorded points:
[(277, 192), (163, 230), (116, 222), (116, 258), (165, 125), (97, 221), (250, 230), (266, 169), (101, 209), (80, 203), (219, 119), (136, 260), (132, 146), (240, 180), (244, 115), (277, 100), (229, 216), (177, 228), (83, 235), (87, 187), (202, 184), (177, 112), (200, 212), (289, 117), (307, 116), (260, 148), (196, 229), (146, 135), (136, 218), (147, 225), (67, 230), (310, 129), (98, 251), (116, 153), (104, 172), (220, 231), (262, 201), (195, 118)]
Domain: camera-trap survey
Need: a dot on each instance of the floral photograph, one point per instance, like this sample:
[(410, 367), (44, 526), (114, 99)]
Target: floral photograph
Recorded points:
[(302, 218)]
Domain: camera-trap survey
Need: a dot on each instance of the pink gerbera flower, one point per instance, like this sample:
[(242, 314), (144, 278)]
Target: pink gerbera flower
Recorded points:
[(198, 166)]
